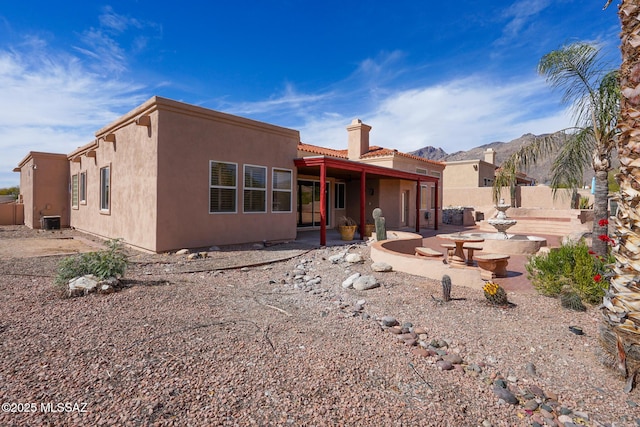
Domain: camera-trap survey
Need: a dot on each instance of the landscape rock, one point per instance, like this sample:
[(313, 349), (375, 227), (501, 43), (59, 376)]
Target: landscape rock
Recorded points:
[(381, 267), (389, 321), (364, 283), (83, 285), (182, 252), (348, 283), (444, 365), (354, 258), (505, 395), (337, 257)]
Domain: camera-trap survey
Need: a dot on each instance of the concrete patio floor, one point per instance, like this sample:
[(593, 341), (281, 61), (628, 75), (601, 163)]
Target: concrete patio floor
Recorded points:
[(516, 280)]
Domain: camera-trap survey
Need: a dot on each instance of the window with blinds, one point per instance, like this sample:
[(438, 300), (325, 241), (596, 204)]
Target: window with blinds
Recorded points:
[(255, 189), (105, 188), (282, 190), (222, 187), (83, 187), (74, 191)]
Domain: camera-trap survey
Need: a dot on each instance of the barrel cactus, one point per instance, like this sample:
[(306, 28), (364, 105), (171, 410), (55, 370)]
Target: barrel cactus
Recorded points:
[(571, 300), (495, 294)]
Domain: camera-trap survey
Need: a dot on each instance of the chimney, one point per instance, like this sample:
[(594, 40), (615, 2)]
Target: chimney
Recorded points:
[(490, 156), (358, 139)]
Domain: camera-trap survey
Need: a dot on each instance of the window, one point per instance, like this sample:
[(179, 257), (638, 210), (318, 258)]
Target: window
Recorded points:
[(105, 188), (83, 188), (281, 194), (222, 187), (421, 171), (74, 191), (340, 195), (424, 191), (433, 195), (255, 188), (435, 173)]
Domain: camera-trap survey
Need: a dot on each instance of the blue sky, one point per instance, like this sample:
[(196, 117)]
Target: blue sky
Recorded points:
[(453, 75)]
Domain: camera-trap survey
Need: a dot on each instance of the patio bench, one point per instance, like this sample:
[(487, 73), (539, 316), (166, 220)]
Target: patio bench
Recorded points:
[(427, 252), (492, 265)]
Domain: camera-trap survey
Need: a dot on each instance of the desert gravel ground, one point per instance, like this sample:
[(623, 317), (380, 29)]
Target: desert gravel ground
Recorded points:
[(190, 343)]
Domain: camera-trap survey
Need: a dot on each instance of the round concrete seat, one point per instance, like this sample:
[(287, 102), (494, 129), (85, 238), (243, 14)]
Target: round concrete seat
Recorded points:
[(428, 252), (492, 265)]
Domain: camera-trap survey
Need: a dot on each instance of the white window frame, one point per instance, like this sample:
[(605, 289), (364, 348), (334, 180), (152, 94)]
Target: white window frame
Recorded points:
[(82, 188), (422, 171), (275, 190), (105, 190), (257, 189), (75, 196), (234, 188)]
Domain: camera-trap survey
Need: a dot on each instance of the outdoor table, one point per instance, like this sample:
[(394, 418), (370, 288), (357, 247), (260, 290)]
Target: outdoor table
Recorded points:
[(459, 240)]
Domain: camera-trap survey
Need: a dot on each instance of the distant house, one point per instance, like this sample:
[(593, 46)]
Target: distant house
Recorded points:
[(462, 175), (169, 175)]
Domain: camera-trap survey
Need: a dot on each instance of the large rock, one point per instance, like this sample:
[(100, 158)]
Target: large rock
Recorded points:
[(348, 283), (364, 283), (381, 267), (354, 258), (82, 285)]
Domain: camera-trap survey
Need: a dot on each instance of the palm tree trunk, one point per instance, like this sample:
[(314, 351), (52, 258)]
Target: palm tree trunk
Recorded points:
[(620, 329)]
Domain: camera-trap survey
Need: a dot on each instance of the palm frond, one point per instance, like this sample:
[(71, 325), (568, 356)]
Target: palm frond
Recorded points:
[(573, 156)]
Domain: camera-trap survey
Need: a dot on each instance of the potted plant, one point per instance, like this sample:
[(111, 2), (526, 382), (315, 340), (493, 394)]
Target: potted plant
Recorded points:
[(369, 229), (347, 228)]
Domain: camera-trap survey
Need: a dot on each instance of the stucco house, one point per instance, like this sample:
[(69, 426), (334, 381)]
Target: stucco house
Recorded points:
[(169, 175)]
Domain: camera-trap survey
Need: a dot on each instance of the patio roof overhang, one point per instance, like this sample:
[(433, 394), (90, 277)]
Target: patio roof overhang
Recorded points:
[(347, 169)]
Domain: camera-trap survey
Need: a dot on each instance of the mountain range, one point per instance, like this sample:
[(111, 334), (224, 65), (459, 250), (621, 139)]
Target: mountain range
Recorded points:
[(541, 171)]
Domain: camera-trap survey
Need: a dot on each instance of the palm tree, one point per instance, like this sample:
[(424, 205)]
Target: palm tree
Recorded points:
[(593, 93), (620, 329)]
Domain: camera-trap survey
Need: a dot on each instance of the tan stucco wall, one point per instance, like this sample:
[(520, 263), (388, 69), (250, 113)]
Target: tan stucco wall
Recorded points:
[(160, 178), (539, 197), (392, 194), (44, 186), (133, 166), (468, 173), (11, 213), (189, 137)]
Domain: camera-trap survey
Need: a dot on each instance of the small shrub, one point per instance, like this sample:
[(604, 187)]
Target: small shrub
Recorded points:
[(111, 262), (571, 265)]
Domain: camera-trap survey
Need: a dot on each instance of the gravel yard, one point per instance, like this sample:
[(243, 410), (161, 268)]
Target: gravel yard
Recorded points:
[(205, 342)]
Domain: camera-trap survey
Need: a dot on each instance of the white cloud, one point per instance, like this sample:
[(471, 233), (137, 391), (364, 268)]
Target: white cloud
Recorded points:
[(52, 102), (456, 115)]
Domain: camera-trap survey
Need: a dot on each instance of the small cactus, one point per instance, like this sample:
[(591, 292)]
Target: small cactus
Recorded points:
[(571, 300), (495, 294), (446, 288), (381, 231)]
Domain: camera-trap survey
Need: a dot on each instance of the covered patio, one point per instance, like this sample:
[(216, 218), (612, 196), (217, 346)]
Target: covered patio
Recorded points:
[(347, 170)]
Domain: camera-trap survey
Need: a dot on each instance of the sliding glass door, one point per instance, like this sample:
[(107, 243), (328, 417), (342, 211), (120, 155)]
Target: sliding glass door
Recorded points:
[(309, 203)]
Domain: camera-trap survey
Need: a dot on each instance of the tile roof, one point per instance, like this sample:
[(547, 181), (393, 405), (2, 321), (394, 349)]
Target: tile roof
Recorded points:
[(374, 151)]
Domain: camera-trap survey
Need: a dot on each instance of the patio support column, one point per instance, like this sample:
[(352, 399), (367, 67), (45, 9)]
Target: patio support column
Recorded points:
[(323, 204), (363, 189), (435, 207), (418, 206)]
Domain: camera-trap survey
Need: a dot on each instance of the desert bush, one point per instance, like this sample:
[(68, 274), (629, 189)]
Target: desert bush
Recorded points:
[(111, 262), (571, 265)]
